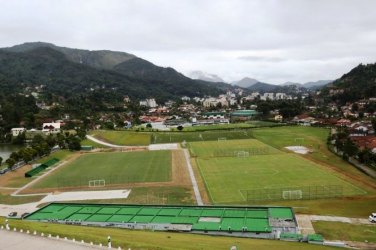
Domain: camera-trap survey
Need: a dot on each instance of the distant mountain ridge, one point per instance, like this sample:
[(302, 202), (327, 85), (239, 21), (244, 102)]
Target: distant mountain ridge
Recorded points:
[(255, 85), (134, 76)]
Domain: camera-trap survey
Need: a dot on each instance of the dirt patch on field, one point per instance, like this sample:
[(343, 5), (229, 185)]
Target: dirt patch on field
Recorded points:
[(10, 177)]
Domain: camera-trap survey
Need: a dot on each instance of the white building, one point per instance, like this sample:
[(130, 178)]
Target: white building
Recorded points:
[(151, 103), (51, 128), (17, 131)]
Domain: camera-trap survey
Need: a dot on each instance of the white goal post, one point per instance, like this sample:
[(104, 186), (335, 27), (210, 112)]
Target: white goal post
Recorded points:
[(292, 194), (97, 183), (241, 154)]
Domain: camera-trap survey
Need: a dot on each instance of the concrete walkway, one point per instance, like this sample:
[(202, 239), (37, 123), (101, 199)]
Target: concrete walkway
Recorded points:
[(22, 241), (91, 138), (193, 178)]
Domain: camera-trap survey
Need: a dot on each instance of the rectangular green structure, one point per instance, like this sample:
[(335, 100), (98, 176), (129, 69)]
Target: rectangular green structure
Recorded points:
[(261, 222), (41, 167)]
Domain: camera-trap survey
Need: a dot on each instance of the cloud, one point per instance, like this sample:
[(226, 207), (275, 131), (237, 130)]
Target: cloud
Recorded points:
[(303, 40), (261, 58)]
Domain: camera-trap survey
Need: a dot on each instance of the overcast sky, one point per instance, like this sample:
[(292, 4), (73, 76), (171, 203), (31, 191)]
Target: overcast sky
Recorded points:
[(272, 41)]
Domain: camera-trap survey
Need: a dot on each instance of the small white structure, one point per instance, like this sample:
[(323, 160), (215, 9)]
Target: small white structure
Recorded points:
[(17, 131)]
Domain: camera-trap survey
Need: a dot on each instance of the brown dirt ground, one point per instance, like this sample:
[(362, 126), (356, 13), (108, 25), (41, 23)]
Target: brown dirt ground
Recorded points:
[(179, 174), (7, 178)]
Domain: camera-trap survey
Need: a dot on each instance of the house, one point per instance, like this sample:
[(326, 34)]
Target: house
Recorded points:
[(278, 118), (17, 131), (51, 128)]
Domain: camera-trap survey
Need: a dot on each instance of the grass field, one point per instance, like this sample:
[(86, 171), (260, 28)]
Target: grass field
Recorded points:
[(346, 231), (168, 137), (138, 240), (230, 148), (122, 137), (228, 178), (314, 138), (114, 168)]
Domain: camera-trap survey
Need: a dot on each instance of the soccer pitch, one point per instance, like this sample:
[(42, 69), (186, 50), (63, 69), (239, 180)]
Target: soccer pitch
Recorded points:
[(114, 168), (168, 137), (227, 179), (230, 148)]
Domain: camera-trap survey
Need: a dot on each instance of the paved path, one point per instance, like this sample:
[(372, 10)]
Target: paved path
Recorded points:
[(193, 178), (91, 138), (306, 227), (37, 179), (22, 241)]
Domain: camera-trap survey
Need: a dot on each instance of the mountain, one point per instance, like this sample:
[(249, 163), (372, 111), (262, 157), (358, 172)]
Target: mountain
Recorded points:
[(200, 75), (103, 59), (291, 83), (357, 84), (64, 69), (316, 84), (263, 87), (246, 82)]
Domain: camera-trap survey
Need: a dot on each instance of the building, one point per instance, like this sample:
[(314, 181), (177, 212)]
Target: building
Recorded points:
[(278, 118), (51, 128), (243, 115), (252, 222), (17, 131), (151, 103)]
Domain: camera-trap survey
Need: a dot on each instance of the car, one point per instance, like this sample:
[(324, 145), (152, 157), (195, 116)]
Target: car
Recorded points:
[(12, 214), (372, 218), (24, 215)]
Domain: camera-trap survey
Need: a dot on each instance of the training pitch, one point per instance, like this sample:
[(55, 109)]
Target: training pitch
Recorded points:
[(106, 169), (228, 178)]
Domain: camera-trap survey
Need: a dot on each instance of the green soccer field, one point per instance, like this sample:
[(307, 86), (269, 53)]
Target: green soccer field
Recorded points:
[(224, 148), (114, 168), (168, 137), (228, 176)]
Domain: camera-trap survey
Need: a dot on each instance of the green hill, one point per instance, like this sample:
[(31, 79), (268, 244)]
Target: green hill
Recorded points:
[(359, 83)]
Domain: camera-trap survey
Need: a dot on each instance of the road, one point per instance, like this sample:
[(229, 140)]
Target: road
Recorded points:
[(193, 179), (22, 241)]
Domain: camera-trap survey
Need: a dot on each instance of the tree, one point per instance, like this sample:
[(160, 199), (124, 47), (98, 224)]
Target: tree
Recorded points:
[(374, 124), (74, 143), (1, 160), (149, 125), (10, 162), (180, 127)]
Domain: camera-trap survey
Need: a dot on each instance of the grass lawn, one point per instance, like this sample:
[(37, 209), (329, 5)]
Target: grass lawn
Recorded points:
[(230, 148), (11, 200), (214, 135), (114, 168), (87, 142), (227, 177), (122, 137), (345, 231), (155, 240), (314, 138)]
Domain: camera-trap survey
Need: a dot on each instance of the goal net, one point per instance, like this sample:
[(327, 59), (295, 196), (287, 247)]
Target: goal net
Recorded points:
[(97, 183), (241, 154), (292, 194), (222, 139)]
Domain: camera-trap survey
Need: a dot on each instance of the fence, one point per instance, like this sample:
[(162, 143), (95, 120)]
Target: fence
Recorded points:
[(293, 193)]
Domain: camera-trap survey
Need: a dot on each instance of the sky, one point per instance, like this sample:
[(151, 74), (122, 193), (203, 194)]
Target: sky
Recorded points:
[(269, 40)]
